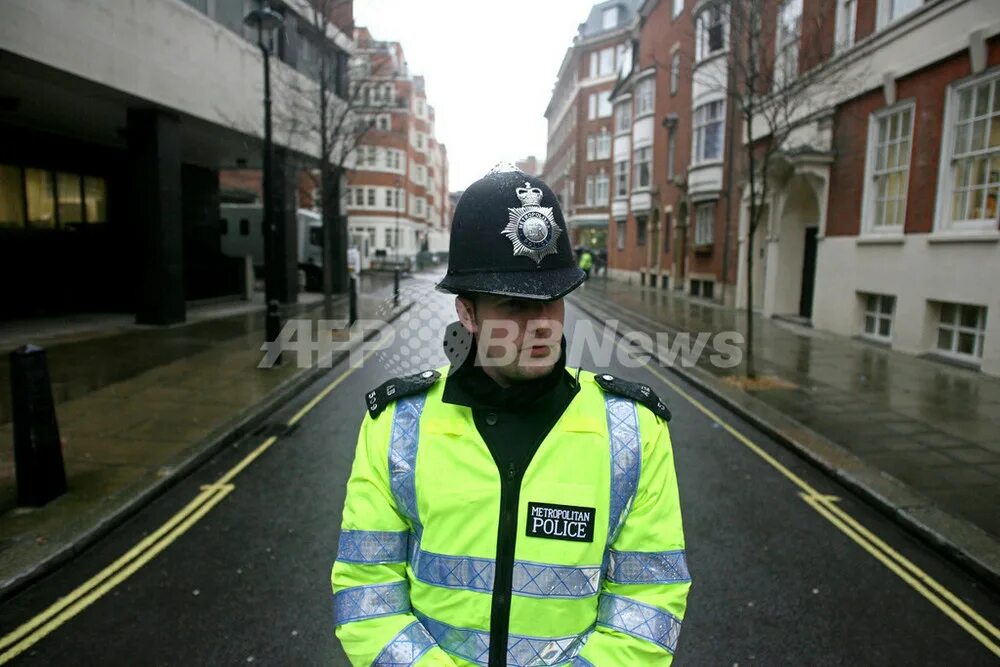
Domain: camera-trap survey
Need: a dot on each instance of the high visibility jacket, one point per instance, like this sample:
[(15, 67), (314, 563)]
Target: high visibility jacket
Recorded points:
[(586, 261), (414, 576)]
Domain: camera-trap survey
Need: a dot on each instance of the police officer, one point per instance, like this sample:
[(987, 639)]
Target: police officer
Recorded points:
[(512, 512)]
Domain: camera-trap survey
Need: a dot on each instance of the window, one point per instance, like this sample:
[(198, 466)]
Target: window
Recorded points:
[(890, 10), (11, 197), (889, 141), (786, 58), (642, 167), (591, 145), (589, 191), (388, 237), (878, 316), (846, 21), (609, 18), (348, 196), (41, 200), (69, 199), (960, 330), (710, 32), (389, 198), (671, 152), (603, 141), (371, 196), (621, 178), (370, 156), (704, 230), (640, 230), (601, 189), (383, 123), (594, 64), (620, 233), (623, 117), (668, 218), (607, 61), (359, 196), (592, 107), (675, 72), (420, 140), (708, 132), (644, 97), (970, 176), (604, 108), (678, 7)]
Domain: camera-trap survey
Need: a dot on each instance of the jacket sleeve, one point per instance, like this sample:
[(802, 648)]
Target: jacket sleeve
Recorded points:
[(371, 597), (644, 593)]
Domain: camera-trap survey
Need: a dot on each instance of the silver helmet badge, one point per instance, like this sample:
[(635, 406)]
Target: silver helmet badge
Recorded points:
[(531, 228)]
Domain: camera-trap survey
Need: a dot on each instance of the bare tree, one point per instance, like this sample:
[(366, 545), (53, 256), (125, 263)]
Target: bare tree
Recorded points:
[(333, 109), (777, 75)]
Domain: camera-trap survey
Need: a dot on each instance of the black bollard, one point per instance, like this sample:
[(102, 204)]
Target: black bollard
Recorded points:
[(353, 302), (272, 325), (38, 460), (395, 287)]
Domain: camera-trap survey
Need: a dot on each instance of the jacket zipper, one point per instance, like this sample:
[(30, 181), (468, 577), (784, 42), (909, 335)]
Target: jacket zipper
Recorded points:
[(510, 490)]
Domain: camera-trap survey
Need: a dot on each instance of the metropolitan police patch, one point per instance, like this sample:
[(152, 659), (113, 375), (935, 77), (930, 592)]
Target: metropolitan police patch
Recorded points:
[(560, 522), (531, 228)]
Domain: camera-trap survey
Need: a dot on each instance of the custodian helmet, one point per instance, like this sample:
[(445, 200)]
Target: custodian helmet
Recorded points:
[(509, 238)]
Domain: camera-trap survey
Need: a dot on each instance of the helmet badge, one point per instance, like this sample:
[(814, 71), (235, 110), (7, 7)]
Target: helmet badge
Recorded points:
[(531, 228)]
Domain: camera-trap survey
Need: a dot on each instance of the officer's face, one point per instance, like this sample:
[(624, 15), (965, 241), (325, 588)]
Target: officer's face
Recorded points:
[(517, 339)]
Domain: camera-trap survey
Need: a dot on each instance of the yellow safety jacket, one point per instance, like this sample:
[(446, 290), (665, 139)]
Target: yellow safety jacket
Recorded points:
[(599, 578)]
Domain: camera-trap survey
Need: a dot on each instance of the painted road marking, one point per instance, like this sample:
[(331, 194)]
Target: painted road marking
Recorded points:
[(31, 632), (825, 505)]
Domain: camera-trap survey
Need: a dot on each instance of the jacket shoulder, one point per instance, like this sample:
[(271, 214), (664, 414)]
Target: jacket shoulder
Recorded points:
[(638, 392), (381, 397)]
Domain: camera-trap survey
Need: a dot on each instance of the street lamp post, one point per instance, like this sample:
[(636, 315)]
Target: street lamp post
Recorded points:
[(265, 20), (396, 242)]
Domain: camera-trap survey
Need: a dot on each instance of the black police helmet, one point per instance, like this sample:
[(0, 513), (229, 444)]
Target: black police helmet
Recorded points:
[(509, 238)]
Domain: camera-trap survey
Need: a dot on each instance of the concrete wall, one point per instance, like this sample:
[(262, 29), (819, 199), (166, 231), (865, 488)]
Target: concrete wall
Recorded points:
[(162, 51)]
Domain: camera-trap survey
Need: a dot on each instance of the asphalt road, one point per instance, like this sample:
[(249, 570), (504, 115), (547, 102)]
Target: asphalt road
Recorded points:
[(775, 583)]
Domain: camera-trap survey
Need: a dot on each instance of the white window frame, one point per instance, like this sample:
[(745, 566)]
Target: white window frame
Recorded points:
[(787, 42), (609, 18), (944, 221), (956, 328), (591, 147), (594, 64), (623, 117), (704, 229), (602, 145), (604, 106), (642, 155), (847, 19), (645, 97), (621, 179), (890, 11), (700, 131), (874, 313), (877, 167), (592, 107), (678, 8), (601, 189), (671, 152), (607, 61), (620, 224), (588, 197), (702, 30)]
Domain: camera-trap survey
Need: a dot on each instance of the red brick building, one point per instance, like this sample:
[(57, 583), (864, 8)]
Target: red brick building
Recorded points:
[(396, 195), (579, 113)]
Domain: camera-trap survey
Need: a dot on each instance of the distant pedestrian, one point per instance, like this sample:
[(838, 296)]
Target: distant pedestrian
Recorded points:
[(511, 510), (586, 262)]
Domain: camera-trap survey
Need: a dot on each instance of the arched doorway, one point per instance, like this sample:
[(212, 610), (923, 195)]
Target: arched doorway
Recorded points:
[(794, 250)]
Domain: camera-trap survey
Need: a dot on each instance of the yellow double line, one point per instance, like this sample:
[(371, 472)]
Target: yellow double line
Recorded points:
[(94, 588), (957, 610)]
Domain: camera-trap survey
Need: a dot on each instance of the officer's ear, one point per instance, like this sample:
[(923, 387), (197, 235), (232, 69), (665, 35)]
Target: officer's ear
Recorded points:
[(465, 306)]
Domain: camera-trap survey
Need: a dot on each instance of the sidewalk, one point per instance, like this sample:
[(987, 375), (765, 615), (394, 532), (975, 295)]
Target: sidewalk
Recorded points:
[(139, 405), (918, 437)]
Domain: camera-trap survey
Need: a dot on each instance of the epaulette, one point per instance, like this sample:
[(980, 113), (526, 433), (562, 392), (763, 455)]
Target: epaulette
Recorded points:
[(637, 392), (378, 399)]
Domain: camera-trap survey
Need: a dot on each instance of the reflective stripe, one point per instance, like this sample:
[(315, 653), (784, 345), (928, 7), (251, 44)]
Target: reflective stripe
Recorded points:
[(372, 547), (363, 602), (529, 579), (626, 458), (524, 651), (639, 620), (406, 647), (403, 455), (640, 567)]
